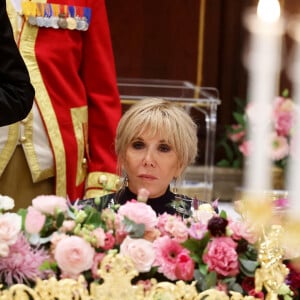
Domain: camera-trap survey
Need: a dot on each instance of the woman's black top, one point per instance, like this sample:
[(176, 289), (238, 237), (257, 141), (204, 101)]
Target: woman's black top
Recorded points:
[(169, 202)]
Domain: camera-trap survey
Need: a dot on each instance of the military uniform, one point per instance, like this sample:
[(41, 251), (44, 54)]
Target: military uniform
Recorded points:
[(70, 131)]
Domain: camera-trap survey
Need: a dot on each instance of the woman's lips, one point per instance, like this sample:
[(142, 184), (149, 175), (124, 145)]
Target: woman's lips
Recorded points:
[(147, 176)]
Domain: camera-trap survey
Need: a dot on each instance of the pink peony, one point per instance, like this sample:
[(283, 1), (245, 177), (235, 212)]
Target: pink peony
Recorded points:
[(221, 256), (140, 213), (74, 255), (48, 204), (140, 251), (10, 226), (167, 250), (34, 220), (184, 269)]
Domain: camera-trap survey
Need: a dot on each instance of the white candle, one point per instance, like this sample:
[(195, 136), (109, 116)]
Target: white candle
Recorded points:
[(293, 177), (263, 63)]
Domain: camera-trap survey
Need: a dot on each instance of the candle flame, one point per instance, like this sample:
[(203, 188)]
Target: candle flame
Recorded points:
[(268, 10)]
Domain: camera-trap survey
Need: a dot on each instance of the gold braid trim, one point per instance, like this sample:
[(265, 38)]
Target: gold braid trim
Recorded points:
[(100, 184)]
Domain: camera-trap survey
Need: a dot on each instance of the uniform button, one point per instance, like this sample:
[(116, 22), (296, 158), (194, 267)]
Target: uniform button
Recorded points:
[(23, 139), (84, 161)]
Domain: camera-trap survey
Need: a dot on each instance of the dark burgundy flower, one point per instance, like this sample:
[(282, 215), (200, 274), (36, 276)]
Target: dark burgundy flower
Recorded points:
[(217, 226)]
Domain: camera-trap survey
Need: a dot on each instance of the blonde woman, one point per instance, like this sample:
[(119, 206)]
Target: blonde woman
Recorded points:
[(155, 141)]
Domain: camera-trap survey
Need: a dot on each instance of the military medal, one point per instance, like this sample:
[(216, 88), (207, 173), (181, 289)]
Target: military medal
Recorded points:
[(57, 16)]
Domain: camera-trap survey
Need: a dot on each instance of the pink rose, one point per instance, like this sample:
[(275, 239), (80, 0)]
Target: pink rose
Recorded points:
[(48, 204), (140, 213), (221, 256), (74, 255), (10, 226), (34, 220), (140, 251), (184, 269), (143, 195)]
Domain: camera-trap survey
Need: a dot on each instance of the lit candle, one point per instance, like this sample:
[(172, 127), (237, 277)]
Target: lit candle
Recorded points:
[(294, 159), (263, 63)]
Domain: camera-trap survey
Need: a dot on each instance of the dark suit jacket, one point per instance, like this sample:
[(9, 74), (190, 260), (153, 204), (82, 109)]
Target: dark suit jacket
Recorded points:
[(16, 91)]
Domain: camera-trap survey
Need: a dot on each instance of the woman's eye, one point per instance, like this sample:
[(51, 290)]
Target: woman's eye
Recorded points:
[(138, 145), (164, 148)]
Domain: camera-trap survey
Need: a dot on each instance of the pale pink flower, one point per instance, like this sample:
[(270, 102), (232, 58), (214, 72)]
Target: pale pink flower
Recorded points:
[(237, 137), (22, 264), (241, 229), (67, 226), (167, 251), (100, 236), (173, 226), (140, 251), (140, 213), (280, 147), (197, 230), (204, 212), (48, 204), (221, 256), (143, 195), (184, 269), (34, 220), (10, 226), (74, 255)]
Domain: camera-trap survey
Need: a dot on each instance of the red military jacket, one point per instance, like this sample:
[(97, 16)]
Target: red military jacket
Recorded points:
[(73, 73)]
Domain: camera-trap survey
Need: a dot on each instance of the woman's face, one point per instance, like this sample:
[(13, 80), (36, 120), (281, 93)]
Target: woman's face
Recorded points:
[(150, 163)]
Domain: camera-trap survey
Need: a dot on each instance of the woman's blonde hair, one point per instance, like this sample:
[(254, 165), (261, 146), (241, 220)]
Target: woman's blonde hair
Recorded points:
[(159, 116)]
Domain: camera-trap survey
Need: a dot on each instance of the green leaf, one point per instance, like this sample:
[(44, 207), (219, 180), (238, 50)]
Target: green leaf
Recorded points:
[(247, 266), (134, 230), (93, 218), (60, 219)]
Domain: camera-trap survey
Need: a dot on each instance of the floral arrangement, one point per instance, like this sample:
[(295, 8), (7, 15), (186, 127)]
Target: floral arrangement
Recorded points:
[(237, 145), (54, 238)]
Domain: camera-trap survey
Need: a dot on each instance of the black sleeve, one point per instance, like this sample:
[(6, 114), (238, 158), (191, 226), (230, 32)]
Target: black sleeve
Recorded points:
[(16, 91)]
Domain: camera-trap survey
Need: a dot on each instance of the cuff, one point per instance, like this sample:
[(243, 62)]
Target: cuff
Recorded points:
[(100, 184)]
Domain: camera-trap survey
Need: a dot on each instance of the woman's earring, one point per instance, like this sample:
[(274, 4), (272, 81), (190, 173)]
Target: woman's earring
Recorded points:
[(125, 180), (175, 186)]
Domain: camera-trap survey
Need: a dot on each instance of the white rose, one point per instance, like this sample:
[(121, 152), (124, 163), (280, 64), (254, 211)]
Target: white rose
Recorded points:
[(140, 251), (6, 203), (10, 226)]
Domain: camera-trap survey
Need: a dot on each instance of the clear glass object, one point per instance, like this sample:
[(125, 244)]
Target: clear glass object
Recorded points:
[(203, 99)]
